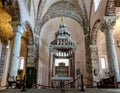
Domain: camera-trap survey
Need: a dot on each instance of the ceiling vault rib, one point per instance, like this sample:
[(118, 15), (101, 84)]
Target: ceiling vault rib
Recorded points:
[(84, 15), (39, 14), (37, 28)]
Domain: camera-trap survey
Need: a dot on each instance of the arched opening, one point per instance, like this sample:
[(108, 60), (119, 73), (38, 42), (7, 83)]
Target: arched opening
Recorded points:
[(63, 48), (26, 60)]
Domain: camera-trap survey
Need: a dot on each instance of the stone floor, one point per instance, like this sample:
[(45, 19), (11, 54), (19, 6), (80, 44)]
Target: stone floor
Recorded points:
[(61, 91)]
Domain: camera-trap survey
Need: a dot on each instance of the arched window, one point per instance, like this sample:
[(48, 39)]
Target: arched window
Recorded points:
[(96, 2), (21, 63), (103, 63)]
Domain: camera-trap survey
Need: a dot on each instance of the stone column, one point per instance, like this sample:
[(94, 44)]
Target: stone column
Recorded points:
[(6, 65), (16, 51), (107, 24)]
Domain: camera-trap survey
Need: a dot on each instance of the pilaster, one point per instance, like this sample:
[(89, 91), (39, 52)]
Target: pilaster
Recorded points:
[(95, 64)]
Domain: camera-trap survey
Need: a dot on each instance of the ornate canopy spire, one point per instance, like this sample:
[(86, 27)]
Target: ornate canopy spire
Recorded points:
[(62, 21), (63, 38)]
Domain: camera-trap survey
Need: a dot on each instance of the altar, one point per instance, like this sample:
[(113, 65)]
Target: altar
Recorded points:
[(61, 81)]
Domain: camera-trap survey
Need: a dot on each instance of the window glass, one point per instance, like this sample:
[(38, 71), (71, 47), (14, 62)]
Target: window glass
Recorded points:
[(103, 63), (96, 2), (21, 64)]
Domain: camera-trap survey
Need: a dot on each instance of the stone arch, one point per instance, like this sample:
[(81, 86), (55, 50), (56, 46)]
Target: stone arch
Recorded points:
[(58, 9), (110, 8), (84, 15), (15, 11), (30, 37), (28, 42), (28, 49), (94, 32)]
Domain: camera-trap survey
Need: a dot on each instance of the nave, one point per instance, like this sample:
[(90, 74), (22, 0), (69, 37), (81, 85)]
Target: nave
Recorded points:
[(51, 43)]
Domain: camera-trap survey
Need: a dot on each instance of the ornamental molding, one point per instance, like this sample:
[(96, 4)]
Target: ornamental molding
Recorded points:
[(84, 14)]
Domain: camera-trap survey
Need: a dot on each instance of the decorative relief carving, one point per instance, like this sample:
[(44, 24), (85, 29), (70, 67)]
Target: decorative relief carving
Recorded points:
[(107, 23), (62, 9)]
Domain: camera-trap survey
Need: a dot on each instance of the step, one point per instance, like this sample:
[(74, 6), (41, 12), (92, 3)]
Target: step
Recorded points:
[(61, 91)]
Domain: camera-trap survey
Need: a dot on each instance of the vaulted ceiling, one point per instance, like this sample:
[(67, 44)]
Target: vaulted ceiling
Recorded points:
[(78, 10)]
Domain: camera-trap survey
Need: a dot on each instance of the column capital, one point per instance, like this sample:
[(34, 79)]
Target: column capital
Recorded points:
[(21, 28), (15, 25), (107, 23)]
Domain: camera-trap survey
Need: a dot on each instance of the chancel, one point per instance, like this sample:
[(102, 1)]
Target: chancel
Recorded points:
[(56, 46)]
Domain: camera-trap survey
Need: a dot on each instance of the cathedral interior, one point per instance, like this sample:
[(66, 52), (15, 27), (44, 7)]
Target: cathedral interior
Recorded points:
[(59, 43)]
